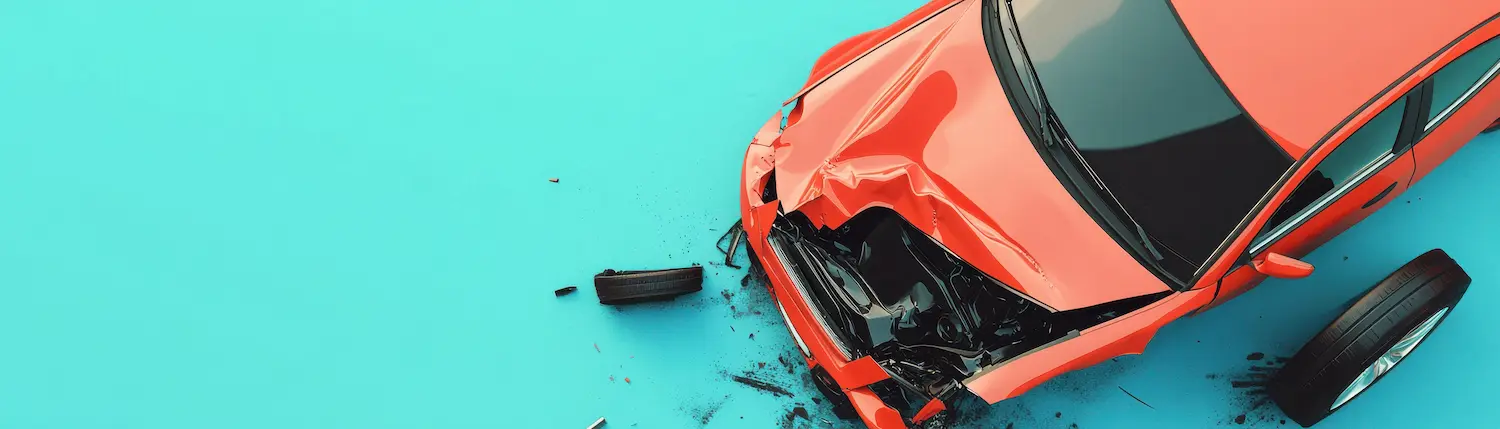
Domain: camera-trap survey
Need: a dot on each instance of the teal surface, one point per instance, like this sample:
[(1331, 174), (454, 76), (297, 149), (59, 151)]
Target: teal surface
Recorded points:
[(336, 214)]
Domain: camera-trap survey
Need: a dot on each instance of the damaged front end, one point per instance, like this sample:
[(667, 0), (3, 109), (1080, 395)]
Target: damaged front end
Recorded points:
[(883, 289)]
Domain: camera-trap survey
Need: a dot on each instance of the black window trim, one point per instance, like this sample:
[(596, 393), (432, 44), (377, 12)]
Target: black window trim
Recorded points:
[(1409, 121), (1021, 103), (1451, 108)]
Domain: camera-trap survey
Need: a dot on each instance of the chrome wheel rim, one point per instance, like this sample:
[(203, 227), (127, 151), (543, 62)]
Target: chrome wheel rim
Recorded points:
[(1389, 360)]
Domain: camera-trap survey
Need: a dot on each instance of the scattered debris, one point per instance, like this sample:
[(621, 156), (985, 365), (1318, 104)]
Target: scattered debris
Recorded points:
[(704, 411), (708, 414), (735, 235), (760, 364), (565, 291), (1137, 399), (752, 335), (1256, 356), (1246, 384), (597, 423), (611, 378), (1346, 257), (554, 180), (790, 368), (761, 385), (797, 412), (1253, 399)]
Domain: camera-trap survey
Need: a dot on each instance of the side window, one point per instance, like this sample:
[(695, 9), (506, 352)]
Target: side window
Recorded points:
[(1452, 85), (1367, 150)]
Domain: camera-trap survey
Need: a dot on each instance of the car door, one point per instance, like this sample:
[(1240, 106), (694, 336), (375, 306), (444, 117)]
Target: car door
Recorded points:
[(1458, 100), (1360, 175)]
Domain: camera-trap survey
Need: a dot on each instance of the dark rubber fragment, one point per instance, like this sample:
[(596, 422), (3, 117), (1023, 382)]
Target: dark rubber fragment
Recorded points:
[(623, 287)]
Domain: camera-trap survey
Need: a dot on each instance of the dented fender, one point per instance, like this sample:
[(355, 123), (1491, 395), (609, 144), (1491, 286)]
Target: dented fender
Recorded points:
[(854, 48), (921, 126), (757, 219), (1126, 335)]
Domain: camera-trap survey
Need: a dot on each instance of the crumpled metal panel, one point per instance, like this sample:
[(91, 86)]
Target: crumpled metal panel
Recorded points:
[(923, 127)]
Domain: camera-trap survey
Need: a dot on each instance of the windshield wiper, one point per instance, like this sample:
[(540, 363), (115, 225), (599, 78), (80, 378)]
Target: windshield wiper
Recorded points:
[(1054, 134), (1061, 136)]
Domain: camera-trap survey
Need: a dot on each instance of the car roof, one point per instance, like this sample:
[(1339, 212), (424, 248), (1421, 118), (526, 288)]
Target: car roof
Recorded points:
[(1300, 67)]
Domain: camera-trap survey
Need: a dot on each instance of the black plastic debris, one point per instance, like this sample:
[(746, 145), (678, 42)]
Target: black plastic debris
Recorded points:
[(796, 413), (761, 385), (734, 236), (565, 291), (624, 287)]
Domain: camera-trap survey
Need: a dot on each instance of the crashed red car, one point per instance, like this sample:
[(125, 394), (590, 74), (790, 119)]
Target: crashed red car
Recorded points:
[(989, 193)]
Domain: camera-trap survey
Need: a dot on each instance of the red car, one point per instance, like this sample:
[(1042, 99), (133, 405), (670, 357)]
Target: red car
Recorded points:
[(989, 193)]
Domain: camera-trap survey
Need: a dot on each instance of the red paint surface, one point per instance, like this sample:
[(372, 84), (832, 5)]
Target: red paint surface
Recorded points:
[(1281, 266), (1300, 67), (930, 409), (876, 414), (856, 47)]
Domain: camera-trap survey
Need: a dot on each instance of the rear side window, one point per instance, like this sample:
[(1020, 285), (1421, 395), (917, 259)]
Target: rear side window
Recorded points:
[(1457, 81)]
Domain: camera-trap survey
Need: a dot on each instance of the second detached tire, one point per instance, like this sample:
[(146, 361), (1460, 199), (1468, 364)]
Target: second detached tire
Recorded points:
[(1370, 338), (623, 287)]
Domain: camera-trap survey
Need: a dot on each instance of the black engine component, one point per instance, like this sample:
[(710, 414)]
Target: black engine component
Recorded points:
[(929, 318)]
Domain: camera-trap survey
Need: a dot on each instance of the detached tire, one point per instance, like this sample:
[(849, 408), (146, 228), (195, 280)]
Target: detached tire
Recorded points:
[(624, 287), (1385, 325)]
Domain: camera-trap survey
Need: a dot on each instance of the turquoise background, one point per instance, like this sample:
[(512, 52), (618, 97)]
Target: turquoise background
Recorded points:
[(336, 214)]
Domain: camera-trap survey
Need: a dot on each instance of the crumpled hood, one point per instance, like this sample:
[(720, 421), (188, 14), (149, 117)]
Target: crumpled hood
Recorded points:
[(921, 125)]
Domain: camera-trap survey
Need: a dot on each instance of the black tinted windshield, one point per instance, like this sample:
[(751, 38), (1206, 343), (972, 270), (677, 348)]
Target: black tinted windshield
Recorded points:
[(1151, 120)]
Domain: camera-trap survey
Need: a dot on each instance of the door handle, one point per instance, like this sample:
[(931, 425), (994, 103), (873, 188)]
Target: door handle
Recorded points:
[(1380, 196)]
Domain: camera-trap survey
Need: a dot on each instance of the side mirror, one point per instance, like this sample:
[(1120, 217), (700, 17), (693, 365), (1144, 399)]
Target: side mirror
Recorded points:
[(1281, 266)]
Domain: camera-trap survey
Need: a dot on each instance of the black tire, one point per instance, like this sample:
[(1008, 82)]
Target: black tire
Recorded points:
[(1312, 380), (624, 287)]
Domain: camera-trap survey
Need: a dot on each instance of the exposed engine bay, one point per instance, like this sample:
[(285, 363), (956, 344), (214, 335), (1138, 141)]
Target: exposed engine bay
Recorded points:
[(884, 289)]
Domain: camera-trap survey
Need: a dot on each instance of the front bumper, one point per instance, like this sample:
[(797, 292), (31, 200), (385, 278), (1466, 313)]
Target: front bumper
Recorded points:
[(822, 351)]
